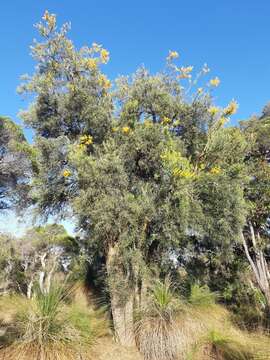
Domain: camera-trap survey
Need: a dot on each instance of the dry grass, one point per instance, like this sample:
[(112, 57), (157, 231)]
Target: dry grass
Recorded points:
[(51, 326), (107, 349), (195, 330)]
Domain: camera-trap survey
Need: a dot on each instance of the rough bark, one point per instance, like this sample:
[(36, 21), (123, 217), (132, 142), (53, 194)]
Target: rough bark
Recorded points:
[(121, 306)]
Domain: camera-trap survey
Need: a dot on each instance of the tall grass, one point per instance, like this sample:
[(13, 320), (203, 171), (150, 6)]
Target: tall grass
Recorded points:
[(51, 326), (157, 335), (195, 328)]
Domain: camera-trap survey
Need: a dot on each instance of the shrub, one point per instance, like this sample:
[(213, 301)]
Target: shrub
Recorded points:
[(51, 326)]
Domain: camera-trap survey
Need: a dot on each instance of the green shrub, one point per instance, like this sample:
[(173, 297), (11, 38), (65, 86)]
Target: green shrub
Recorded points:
[(51, 326)]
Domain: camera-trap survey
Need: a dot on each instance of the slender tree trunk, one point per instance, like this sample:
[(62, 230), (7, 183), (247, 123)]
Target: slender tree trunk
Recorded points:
[(122, 306), (258, 264)]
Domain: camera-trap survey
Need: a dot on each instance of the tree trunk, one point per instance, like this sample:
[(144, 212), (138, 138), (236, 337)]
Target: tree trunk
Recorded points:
[(258, 264), (122, 306)]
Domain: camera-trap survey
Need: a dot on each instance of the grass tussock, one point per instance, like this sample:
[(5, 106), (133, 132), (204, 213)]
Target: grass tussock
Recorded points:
[(157, 335), (50, 326), (170, 328)]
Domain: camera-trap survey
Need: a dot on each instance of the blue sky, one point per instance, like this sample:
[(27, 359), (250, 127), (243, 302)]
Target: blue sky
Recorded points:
[(231, 36)]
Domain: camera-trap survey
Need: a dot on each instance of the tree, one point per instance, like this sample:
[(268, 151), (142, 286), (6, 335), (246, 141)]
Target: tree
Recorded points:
[(42, 254), (256, 233), (16, 165), (145, 169)]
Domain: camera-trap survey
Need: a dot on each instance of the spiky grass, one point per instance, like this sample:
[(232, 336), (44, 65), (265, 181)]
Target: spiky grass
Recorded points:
[(157, 335), (197, 329), (52, 327)]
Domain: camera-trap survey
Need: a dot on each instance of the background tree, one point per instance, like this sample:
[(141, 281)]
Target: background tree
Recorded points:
[(16, 165), (256, 233)]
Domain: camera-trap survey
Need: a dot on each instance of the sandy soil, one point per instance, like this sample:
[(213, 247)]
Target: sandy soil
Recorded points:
[(107, 349)]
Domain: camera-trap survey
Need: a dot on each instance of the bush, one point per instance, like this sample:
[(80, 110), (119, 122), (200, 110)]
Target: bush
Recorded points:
[(51, 326), (195, 329)]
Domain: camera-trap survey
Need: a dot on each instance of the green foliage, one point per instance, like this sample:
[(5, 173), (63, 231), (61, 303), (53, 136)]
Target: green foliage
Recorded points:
[(149, 172), (201, 296), (16, 166), (51, 326)]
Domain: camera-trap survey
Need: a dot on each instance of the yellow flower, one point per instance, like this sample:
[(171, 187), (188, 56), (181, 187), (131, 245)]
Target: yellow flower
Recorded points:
[(166, 121), (104, 82), (126, 130), (86, 140), (105, 56), (50, 19), (222, 121), (231, 108), (213, 110), (185, 72), (114, 129), (172, 55), (82, 147), (91, 64), (215, 170), (215, 82), (66, 173), (183, 173)]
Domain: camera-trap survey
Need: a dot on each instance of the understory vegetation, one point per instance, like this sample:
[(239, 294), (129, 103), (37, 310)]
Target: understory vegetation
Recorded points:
[(171, 207)]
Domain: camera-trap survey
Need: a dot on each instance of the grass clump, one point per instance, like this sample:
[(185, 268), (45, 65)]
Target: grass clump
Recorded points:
[(51, 326), (157, 334), (196, 328)]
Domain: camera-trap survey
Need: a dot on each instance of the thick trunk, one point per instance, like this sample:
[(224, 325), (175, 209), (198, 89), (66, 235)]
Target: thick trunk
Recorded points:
[(122, 314), (122, 306)]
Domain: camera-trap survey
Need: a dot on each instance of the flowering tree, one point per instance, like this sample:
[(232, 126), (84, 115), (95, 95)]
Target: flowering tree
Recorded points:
[(145, 168)]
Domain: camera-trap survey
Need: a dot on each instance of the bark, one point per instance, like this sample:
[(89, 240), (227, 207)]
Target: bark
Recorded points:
[(122, 307), (258, 264)]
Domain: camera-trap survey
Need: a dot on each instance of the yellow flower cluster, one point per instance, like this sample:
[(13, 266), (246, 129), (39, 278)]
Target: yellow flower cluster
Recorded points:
[(91, 64), (50, 19), (104, 55), (185, 72), (187, 174), (216, 170), (215, 82), (231, 108), (126, 130), (213, 110), (66, 173), (166, 121), (104, 82), (172, 55), (86, 140)]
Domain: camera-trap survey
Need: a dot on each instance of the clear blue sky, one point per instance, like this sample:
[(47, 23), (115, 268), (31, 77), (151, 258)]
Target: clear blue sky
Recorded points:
[(231, 36)]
